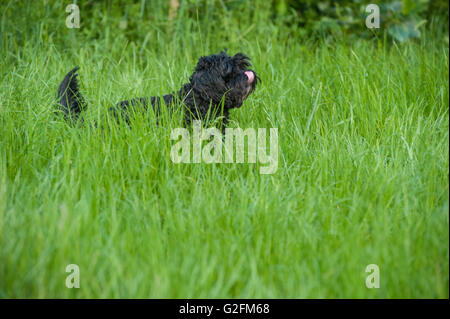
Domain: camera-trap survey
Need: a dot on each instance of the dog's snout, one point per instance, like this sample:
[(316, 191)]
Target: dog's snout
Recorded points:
[(250, 76)]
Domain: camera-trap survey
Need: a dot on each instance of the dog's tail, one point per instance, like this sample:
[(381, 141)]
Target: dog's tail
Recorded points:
[(69, 96)]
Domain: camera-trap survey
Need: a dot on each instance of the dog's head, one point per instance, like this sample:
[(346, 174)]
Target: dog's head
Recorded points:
[(219, 77)]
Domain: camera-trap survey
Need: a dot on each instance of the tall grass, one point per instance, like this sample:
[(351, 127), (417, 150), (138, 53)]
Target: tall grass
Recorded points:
[(362, 176)]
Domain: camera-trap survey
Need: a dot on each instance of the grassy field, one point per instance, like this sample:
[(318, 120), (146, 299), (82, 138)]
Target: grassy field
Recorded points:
[(362, 174)]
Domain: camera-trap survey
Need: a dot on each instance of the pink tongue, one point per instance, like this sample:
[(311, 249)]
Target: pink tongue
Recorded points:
[(250, 75)]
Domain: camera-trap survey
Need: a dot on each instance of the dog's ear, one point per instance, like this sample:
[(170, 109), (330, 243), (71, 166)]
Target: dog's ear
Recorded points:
[(207, 80)]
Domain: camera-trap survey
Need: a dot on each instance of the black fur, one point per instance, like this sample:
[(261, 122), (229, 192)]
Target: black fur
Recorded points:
[(69, 96), (218, 80)]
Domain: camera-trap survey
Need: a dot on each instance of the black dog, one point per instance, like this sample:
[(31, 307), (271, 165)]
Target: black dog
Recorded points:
[(219, 83)]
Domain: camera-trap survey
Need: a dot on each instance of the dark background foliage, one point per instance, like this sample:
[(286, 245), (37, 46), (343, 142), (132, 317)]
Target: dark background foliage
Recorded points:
[(143, 21)]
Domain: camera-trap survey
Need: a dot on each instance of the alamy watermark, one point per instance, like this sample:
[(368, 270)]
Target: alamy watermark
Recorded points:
[(220, 148), (73, 19), (373, 19), (373, 279), (73, 279)]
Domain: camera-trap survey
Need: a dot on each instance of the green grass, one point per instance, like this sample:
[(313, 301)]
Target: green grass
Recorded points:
[(362, 175)]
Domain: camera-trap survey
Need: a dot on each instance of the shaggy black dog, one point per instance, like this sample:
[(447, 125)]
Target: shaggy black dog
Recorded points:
[(219, 83)]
